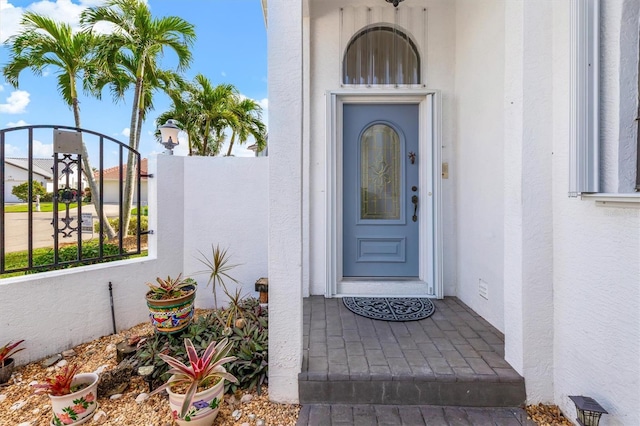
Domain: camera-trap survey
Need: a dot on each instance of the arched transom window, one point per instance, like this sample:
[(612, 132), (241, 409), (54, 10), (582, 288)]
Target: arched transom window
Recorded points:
[(381, 54)]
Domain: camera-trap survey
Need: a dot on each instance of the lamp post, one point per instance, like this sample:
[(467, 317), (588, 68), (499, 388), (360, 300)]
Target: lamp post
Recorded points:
[(588, 409), (169, 134)]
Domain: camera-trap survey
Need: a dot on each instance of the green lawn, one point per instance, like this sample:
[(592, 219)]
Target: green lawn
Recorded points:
[(44, 207), (44, 256)]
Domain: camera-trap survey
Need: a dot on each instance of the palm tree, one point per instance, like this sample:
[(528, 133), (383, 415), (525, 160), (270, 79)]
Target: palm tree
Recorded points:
[(43, 42), (248, 122), (203, 111), (131, 53)]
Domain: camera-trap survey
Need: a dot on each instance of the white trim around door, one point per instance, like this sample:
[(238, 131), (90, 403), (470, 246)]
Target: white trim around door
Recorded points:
[(429, 282)]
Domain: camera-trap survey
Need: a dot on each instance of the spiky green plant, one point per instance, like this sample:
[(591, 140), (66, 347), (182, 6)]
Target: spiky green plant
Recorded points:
[(218, 268)]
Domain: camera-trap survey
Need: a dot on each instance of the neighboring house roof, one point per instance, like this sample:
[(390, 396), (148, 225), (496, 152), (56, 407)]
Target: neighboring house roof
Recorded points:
[(41, 166), (113, 173)]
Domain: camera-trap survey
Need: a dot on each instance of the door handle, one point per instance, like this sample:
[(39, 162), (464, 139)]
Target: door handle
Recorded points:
[(414, 200)]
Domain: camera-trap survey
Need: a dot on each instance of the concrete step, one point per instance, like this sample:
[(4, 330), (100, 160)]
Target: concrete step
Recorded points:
[(447, 390), (414, 415)]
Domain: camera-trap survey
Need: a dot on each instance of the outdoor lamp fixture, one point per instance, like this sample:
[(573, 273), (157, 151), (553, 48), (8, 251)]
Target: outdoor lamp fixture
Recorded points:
[(395, 2), (589, 411), (169, 134)]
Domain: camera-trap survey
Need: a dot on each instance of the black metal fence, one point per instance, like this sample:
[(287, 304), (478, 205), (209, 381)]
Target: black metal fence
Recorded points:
[(68, 224)]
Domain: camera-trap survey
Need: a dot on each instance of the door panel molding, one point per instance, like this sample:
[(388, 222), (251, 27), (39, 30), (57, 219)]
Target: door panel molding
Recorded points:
[(429, 282)]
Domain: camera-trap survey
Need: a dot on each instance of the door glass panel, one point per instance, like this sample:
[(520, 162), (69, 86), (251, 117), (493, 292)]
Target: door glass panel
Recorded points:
[(380, 173)]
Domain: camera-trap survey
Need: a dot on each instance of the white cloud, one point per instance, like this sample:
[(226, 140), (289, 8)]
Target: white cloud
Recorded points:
[(18, 123), (264, 103), (1, 87), (10, 20), (224, 74), (41, 150), (60, 10), (125, 132), (16, 103), (12, 151)]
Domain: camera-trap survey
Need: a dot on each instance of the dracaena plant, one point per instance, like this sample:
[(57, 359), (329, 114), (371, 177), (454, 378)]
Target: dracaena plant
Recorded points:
[(169, 288), (58, 385), (200, 371), (8, 350)]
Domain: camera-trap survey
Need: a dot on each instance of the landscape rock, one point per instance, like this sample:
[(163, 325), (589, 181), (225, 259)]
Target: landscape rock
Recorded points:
[(142, 398), (116, 396), (260, 422), (2, 398), (62, 363), (246, 398), (51, 360), (100, 369), (236, 414), (100, 417), (32, 422), (17, 405), (69, 353)]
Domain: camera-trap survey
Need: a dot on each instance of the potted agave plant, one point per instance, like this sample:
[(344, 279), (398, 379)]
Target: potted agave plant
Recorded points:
[(7, 363), (171, 303), (195, 391), (72, 395)]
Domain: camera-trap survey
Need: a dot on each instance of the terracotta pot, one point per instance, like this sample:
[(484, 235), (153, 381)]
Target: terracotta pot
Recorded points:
[(77, 407), (172, 315), (6, 370), (204, 407)]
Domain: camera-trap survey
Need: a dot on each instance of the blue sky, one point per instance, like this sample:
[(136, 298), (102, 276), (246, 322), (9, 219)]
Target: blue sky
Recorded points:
[(230, 48)]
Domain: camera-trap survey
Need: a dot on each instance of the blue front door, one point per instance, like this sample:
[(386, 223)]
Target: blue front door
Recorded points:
[(380, 192)]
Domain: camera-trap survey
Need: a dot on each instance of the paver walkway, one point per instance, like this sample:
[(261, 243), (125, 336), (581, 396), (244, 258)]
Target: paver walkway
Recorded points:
[(410, 415), (362, 371)]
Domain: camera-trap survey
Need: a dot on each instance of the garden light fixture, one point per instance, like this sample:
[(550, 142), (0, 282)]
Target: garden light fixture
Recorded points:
[(169, 134), (589, 411), (395, 2)]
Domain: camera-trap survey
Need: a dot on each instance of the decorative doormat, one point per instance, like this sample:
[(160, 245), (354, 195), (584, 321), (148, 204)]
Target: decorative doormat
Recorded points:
[(390, 308)]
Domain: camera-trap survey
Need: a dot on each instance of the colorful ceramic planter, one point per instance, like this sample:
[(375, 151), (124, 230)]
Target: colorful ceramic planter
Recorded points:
[(203, 409), (172, 315), (77, 407)]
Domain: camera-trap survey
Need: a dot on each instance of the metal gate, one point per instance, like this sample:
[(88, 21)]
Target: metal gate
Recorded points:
[(67, 225)]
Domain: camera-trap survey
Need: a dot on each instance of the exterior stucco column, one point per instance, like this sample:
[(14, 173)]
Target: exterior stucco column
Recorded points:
[(285, 197), (528, 241)]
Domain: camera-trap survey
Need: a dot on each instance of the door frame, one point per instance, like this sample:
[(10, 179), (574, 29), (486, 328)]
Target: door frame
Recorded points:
[(429, 283)]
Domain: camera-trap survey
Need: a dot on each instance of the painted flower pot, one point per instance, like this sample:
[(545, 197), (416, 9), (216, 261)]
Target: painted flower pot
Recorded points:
[(76, 407), (203, 409), (172, 315), (6, 369)]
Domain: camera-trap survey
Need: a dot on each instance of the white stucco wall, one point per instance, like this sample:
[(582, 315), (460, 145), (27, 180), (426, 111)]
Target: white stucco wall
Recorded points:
[(199, 201), (285, 206), (479, 172), (226, 204), (596, 250), (528, 249), (57, 310), (324, 74)]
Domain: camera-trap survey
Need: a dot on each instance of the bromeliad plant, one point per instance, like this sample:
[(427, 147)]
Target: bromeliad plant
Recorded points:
[(170, 288), (58, 385), (202, 371), (7, 351)]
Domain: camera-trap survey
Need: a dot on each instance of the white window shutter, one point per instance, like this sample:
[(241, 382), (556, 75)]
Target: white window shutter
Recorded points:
[(585, 70)]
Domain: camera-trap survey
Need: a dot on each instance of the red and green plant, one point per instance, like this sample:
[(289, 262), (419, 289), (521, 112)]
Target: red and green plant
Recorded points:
[(58, 385), (202, 371), (170, 288), (8, 350)]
